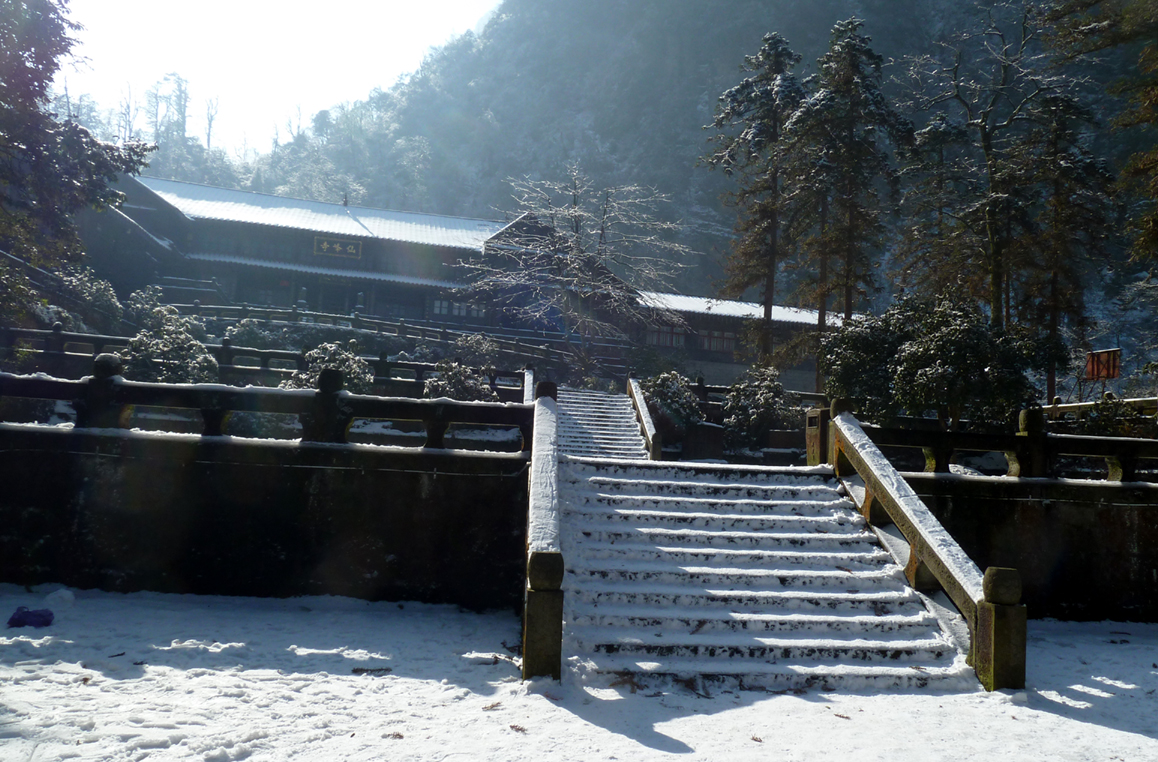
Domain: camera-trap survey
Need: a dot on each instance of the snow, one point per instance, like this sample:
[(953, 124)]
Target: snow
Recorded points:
[(163, 677), (728, 308), (543, 519), (207, 202)]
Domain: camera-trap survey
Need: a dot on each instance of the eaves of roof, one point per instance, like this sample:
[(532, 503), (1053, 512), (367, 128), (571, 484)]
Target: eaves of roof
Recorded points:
[(339, 272)]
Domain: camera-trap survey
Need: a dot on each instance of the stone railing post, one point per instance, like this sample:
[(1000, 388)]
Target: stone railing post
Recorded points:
[(543, 600), (1031, 459), (816, 435), (225, 356), (529, 384), (328, 419), (55, 363), (95, 408), (436, 428), (999, 637)]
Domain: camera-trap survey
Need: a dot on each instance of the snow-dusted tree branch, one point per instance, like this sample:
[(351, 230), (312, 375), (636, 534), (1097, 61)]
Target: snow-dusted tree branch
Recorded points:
[(576, 257)]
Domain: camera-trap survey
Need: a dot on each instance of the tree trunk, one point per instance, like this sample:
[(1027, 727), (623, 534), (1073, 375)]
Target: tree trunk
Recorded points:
[(822, 291)]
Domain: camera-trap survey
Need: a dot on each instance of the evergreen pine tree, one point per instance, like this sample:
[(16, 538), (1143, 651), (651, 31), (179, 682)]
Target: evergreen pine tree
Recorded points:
[(1073, 218), (837, 143), (759, 107), (938, 245)]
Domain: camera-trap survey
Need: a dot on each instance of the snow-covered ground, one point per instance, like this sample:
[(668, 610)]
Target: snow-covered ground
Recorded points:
[(151, 676)]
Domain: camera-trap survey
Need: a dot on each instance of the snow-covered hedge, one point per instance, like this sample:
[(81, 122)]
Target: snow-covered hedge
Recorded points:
[(939, 355), (672, 403), (356, 372), (168, 349), (459, 382), (756, 403)]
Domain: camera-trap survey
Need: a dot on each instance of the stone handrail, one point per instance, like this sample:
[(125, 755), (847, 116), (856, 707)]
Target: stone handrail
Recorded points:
[(76, 348), (1032, 452), (1144, 405), (104, 400), (539, 345), (989, 603), (543, 602), (646, 424)]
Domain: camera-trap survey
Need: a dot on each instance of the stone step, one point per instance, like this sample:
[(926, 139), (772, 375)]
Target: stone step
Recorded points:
[(602, 592), (875, 558), (607, 532), (739, 578), (704, 675), (693, 619), (746, 646), (818, 517), (657, 488)]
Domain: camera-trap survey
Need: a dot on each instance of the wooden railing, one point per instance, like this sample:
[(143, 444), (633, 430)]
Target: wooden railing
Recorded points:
[(105, 400), (543, 601), (990, 603)]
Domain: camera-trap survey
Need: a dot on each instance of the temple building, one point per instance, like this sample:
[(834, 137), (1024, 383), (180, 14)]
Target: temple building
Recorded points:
[(218, 245)]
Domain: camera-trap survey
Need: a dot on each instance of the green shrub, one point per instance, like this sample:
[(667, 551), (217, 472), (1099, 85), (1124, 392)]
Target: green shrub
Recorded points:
[(356, 372), (938, 354), (754, 404), (672, 403), (459, 382), (169, 350)]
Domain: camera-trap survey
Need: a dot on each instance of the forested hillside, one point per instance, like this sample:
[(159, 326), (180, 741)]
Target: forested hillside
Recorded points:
[(623, 86)]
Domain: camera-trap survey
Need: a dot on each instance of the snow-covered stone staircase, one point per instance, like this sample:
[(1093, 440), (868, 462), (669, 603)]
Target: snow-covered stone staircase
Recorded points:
[(759, 578), (599, 424)]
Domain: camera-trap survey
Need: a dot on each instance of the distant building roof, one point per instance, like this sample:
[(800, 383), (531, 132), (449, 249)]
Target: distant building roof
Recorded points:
[(206, 202), (707, 306)]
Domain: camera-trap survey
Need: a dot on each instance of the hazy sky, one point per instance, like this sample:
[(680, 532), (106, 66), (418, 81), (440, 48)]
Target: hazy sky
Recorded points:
[(262, 59)]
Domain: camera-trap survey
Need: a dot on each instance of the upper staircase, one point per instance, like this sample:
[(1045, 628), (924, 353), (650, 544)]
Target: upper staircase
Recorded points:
[(599, 424), (759, 578)]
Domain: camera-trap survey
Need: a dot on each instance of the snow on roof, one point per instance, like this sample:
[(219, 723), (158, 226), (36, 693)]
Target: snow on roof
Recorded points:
[(206, 202), (316, 270), (726, 308)]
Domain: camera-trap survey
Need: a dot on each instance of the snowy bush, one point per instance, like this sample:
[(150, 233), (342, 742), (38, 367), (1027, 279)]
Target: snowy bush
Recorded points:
[(98, 303), (357, 373), (169, 350), (754, 404), (459, 382), (938, 354), (140, 305), (477, 350), (421, 353), (250, 333), (48, 315), (672, 403)]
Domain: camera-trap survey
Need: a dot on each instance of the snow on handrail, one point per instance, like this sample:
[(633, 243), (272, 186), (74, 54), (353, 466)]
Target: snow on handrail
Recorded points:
[(543, 516), (650, 435), (936, 547)]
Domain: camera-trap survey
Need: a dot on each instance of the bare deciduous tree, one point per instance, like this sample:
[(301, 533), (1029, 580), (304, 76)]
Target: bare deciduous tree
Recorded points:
[(576, 257)]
